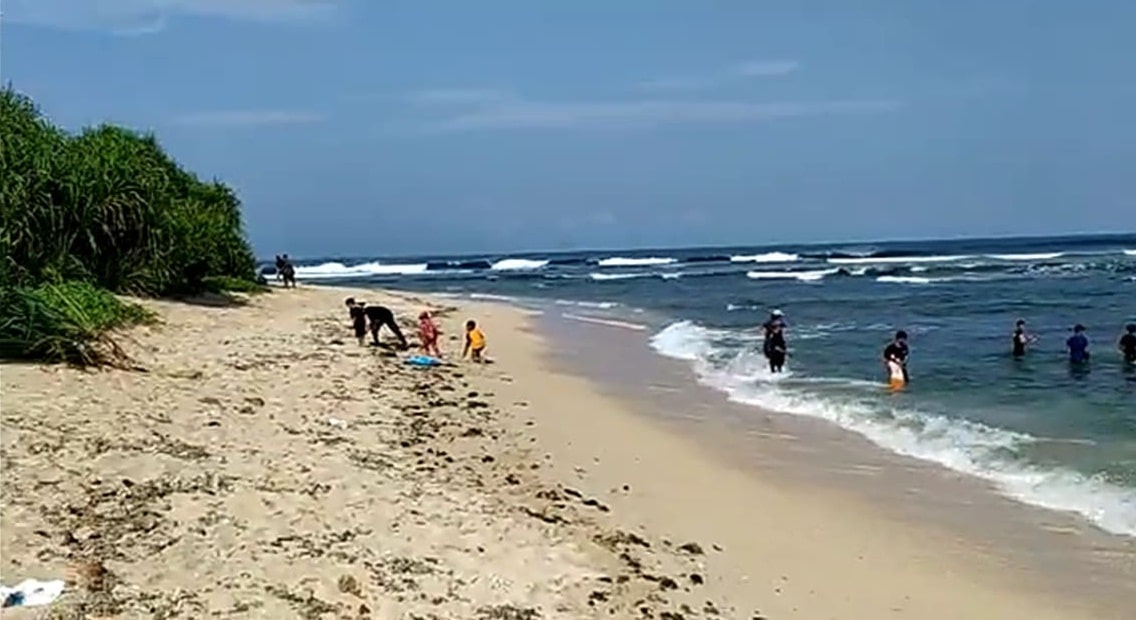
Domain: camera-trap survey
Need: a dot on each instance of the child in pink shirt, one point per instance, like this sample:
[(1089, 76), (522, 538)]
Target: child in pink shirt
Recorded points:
[(428, 333)]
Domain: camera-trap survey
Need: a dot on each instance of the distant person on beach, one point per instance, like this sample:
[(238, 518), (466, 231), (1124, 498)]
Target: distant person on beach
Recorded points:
[(280, 262), (895, 359), (428, 333), (377, 317), (1078, 345), (288, 273), (1021, 339), (474, 342), (1127, 344), (775, 348)]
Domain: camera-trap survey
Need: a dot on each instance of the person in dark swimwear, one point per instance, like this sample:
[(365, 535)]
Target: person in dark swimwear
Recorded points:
[(377, 317), (775, 348), (1127, 344), (1078, 345), (280, 267), (1021, 339), (776, 322), (896, 354)]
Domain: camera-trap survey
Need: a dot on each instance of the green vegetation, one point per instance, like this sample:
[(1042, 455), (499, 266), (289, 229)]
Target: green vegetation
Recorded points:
[(106, 211)]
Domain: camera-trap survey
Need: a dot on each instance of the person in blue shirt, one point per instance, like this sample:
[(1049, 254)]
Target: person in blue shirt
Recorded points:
[(1078, 345)]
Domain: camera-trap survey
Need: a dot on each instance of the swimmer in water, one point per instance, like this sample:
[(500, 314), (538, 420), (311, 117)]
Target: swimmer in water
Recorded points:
[(1020, 339), (776, 323), (1127, 344), (1078, 346), (776, 349), (895, 360)]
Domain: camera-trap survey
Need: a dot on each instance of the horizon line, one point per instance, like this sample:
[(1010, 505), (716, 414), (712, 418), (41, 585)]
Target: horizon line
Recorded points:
[(547, 252)]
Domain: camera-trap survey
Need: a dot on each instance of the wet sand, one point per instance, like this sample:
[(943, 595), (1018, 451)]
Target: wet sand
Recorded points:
[(1059, 553), (266, 466)]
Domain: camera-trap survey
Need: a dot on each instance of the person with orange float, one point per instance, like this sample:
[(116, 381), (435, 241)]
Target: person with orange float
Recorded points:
[(895, 360)]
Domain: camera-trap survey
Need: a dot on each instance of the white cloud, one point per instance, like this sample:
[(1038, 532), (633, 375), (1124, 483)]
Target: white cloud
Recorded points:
[(520, 114), (248, 118), (146, 16), (750, 69)]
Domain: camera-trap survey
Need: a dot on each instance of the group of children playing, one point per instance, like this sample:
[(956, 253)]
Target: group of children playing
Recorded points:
[(428, 331)]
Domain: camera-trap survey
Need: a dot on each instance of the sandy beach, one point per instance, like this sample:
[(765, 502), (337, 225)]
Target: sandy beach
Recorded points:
[(261, 464)]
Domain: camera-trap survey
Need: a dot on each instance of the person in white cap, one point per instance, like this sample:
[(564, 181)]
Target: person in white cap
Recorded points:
[(775, 325)]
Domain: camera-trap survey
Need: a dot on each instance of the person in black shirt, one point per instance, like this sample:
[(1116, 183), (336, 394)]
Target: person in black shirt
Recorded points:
[(358, 318), (377, 316), (897, 351), (1021, 339), (776, 323), (288, 273), (775, 348), (1127, 344)]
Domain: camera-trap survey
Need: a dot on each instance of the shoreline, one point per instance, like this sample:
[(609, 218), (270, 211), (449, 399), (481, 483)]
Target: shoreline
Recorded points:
[(460, 492), (1053, 551)]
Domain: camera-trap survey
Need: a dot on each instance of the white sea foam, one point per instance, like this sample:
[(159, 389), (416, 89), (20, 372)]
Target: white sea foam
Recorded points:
[(887, 260), (1038, 256), (604, 277), (768, 257), (1129, 252), (961, 445), (489, 297), (599, 305), (517, 264), (803, 276), (904, 279), (620, 261), (333, 270)]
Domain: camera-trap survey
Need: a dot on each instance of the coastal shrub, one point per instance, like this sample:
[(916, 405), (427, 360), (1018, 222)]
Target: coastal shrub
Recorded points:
[(106, 208), (67, 322)]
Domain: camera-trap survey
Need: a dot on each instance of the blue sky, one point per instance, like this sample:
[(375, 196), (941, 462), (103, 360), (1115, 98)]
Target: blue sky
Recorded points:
[(376, 127)]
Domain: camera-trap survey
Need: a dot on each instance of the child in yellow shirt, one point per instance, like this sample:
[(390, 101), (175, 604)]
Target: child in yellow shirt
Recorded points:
[(474, 342)]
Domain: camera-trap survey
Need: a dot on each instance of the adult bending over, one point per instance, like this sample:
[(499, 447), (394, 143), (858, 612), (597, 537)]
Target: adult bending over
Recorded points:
[(377, 316)]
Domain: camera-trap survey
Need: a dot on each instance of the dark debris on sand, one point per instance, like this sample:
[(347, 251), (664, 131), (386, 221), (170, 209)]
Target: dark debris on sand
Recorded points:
[(446, 434)]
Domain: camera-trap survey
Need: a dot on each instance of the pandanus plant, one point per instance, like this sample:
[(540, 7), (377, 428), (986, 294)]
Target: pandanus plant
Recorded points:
[(107, 208)]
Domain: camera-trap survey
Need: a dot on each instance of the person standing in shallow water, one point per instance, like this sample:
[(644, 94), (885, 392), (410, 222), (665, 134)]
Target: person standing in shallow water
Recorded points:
[(775, 348), (776, 323), (1021, 339), (895, 360), (1127, 344), (1078, 345)]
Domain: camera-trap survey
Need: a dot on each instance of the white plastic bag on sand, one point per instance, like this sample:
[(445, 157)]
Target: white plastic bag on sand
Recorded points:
[(31, 593)]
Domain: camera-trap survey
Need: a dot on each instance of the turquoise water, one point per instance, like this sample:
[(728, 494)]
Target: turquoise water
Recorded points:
[(1041, 431)]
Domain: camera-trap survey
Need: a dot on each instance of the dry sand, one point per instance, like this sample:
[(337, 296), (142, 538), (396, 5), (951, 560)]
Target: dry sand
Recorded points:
[(266, 466)]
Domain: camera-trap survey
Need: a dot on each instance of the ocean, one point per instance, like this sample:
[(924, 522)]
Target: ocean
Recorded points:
[(1037, 429)]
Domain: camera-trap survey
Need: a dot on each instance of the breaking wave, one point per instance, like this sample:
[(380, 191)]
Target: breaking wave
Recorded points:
[(990, 453)]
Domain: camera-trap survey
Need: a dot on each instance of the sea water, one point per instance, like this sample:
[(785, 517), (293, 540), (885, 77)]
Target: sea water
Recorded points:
[(1040, 430)]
